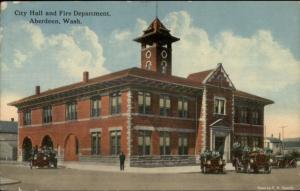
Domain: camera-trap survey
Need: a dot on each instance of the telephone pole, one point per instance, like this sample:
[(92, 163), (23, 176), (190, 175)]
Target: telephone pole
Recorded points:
[(282, 129)]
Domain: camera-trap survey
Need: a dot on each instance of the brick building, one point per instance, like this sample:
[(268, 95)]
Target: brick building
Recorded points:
[(154, 117)]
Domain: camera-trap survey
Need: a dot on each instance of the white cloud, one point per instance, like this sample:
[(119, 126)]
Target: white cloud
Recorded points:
[(121, 35), (3, 6), (20, 58), (258, 58), (75, 51)]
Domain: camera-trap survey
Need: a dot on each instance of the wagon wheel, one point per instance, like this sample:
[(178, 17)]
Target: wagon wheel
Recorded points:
[(268, 169)]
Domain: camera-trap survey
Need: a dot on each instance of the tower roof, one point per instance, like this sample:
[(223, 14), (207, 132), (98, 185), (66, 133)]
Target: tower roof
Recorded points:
[(156, 32)]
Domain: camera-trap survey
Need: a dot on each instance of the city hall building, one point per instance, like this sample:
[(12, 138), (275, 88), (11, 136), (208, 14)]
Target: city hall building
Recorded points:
[(154, 117)]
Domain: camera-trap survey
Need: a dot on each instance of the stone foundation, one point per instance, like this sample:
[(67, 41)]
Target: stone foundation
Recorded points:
[(144, 161), (162, 160)]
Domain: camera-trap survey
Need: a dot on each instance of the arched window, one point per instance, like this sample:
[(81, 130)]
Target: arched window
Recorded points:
[(164, 67), (148, 65)]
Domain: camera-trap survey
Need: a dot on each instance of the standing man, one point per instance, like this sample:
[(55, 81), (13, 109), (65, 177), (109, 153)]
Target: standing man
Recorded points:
[(122, 160)]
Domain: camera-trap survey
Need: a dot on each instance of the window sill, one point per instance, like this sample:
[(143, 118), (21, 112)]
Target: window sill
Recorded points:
[(248, 124), (95, 117), (219, 114), (71, 120)]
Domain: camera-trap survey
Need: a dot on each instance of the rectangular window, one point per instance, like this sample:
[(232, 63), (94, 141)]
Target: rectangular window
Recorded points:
[(96, 143), (95, 107), (164, 142), (219, 106), (115, 142), (71, 111), (164, 105), (183, 107), (115, 103), (244, 115), (183, 144), (244, 141), (144, 142), (255, 119), (27, 117), (144, 101), (47, 114)]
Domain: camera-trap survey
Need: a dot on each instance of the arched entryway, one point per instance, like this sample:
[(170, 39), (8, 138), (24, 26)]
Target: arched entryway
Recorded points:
[(47, 142), (26, 149), (71, 149)]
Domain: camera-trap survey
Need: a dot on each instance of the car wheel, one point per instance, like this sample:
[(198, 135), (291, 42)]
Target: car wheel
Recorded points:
[(204, 170), (248, 168), (237, 168), (269, 169)]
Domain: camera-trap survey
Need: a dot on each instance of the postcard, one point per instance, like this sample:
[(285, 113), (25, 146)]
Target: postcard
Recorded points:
[(149, 95)]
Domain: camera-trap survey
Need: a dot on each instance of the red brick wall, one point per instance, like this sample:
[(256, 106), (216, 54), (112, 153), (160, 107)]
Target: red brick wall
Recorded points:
[(58, 112), (80, 129), (211, 117), (83, 108), (36, 116), (155, 104)]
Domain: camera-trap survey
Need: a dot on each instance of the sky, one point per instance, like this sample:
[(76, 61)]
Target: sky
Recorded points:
[(258, 44)]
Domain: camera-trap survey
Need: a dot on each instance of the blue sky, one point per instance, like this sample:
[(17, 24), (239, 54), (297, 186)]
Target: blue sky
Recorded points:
[(257, 42)]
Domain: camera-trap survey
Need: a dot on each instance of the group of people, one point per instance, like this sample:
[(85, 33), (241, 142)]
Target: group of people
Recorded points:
[(44, 149)]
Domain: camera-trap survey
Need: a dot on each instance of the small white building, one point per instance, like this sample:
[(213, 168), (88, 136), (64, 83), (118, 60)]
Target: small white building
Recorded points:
[(273, 143), (8, 140)]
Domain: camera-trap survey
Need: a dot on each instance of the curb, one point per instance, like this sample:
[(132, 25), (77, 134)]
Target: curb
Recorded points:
[(8, 181)]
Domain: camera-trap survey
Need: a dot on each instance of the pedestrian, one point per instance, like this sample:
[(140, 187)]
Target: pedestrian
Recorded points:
[(122, 160)]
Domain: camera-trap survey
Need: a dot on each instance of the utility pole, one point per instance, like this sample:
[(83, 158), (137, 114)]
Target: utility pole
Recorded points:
[(282, 129)]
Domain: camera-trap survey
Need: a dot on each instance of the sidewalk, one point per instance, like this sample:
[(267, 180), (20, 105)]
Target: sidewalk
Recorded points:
[(155, 170), (5, 181)]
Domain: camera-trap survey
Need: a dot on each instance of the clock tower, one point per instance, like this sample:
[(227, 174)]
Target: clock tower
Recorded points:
[(156, 48)]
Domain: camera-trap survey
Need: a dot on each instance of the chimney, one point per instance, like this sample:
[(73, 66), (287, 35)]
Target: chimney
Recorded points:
[(37, 90), (85, 76), (12, 119)]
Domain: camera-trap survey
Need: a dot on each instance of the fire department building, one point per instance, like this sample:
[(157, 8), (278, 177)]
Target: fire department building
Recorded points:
[(154, 117)]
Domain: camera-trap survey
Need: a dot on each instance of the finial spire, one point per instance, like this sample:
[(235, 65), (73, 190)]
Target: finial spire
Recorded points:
[(156, 9)]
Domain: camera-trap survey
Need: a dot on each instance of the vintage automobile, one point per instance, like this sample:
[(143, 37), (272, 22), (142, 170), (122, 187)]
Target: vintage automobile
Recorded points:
[(44, 159), (211, 161), (284, 161), (248, 161)]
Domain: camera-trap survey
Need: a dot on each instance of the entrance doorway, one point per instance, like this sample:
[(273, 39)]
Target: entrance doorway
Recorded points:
[(26, 149), (71, 149), (219, 144), (47, 142)]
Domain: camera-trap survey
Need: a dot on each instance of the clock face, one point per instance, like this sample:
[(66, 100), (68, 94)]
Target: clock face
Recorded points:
[(148, 54), (164, 54)]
